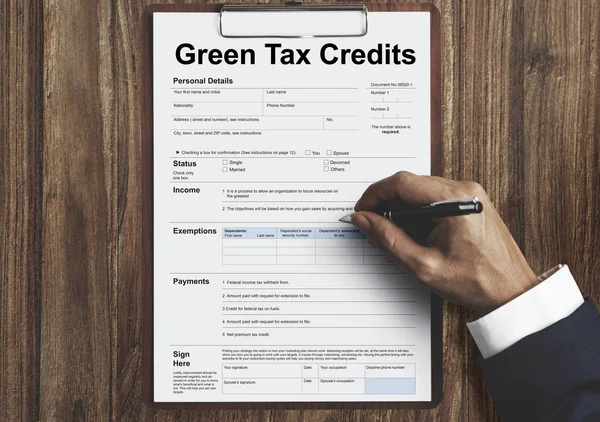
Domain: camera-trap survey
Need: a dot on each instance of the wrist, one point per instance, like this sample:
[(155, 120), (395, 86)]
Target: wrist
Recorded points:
[(510, 288), (555, 297)]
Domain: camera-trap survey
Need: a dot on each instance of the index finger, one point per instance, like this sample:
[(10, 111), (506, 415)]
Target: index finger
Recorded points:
[(411, 188)]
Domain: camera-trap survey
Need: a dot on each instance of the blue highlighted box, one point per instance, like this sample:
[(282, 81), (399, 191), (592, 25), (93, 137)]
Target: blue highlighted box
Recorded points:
[(296, 233), (249, 233), (390, 385), (339, 233), (291, 233)]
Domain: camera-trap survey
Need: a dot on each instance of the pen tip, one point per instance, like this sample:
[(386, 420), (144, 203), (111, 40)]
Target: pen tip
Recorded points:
[(346, 218)]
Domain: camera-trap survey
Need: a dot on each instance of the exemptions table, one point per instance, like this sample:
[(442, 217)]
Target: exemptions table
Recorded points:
[(299, 246)]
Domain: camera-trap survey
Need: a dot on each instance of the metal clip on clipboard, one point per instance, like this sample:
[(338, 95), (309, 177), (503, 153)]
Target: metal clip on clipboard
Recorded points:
[(230, 18)]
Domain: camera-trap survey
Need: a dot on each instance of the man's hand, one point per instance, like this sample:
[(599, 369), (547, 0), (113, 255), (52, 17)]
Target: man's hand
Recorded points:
[(471, 260)]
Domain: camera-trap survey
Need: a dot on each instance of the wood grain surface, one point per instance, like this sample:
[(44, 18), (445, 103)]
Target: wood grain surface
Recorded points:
[(521, 114)]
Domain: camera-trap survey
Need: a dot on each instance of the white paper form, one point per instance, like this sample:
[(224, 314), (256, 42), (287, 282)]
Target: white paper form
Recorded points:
[(260, 146)]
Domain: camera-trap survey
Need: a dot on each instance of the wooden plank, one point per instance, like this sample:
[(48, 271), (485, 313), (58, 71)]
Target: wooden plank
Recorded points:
[(126, 55), (21, 77), (454, 337), (562, 113), (489, 147), (79, 247)]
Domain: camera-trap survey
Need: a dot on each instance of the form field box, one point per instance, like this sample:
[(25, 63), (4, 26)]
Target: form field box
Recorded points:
[(325, 168), (356, 295), (249, 251), (340, 123), (395, 370), (310, 370), (224, 169), (377, 260), (341, 371), (386, 97), (225, 162), (341, 385), (249, 242), (260, 122), (206, 109), (390, 386), (344, 243), (307, 152), (322, 110), (295, 243), (296, 259), (296, 251), (249, 370), (373, 250), (305, 95), (354, 308), (362, 321), (266, 386), (224, 96), (339, 259), (310, 386), (353, 250), (249, 260)]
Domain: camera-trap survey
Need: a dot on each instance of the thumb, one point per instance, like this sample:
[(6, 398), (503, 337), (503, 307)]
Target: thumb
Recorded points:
[(399, 245)]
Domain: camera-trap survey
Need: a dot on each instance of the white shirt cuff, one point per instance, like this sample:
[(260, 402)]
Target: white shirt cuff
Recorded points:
[(543, 305)]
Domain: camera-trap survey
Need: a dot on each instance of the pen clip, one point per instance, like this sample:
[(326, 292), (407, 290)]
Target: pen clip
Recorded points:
[(473, 200)]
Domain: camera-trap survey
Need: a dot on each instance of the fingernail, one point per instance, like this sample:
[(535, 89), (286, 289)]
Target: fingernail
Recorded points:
[(361, 222)]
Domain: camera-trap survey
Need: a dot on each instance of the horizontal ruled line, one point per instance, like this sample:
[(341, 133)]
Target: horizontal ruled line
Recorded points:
[(290, 345), (262, 115), (283, 100), (301, 202), (278, 273), (287, 328), (275, 181), (318, 288), (207, 129), (313, 157), (257, 88), (318, 301), (257, 314)]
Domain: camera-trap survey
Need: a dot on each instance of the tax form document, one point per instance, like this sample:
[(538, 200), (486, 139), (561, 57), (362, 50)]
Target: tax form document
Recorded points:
[(260, 146)]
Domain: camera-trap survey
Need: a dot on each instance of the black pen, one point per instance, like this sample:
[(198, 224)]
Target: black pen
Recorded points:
[(448, 208)]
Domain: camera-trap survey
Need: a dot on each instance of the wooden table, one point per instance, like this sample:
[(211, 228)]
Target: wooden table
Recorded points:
[(521, 114)]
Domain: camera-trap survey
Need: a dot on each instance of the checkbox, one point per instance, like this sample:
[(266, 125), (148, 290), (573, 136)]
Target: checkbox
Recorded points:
[(326, 168), (307, 152), (328, 152), (224, 169), (326, 162), (225, 162)]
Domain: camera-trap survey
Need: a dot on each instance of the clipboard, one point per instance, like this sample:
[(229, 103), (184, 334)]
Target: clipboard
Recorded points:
[(148, 200)]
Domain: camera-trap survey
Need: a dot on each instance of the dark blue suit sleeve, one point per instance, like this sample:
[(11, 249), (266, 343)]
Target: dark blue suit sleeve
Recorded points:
[(551, 375)]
